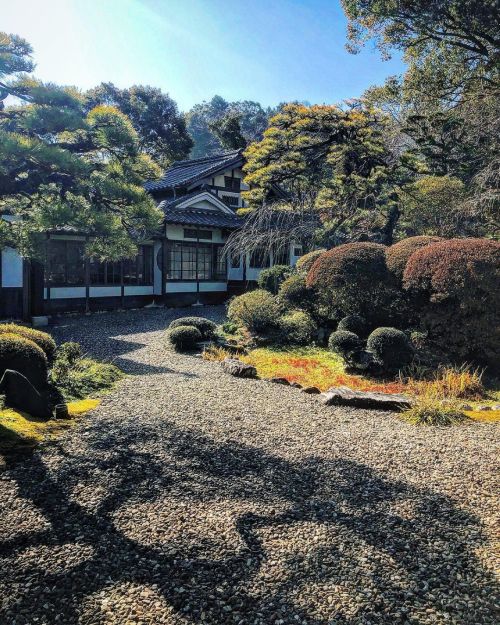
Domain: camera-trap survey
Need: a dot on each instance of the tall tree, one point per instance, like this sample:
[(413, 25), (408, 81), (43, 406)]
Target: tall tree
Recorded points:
[(63, 167), (227, 129), (161, 129)]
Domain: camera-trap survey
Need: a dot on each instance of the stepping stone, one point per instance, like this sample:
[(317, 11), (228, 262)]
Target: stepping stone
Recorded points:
[(311, 390), (239, 369), (283, 381), (344, 396)]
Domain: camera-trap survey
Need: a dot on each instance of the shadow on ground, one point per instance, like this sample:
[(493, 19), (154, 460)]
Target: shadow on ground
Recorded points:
[(419, 547)]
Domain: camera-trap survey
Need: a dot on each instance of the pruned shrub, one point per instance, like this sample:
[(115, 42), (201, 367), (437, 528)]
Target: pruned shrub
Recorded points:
[(258, 311), (354, 323), (391, 347), (271, 279), (455, 284), (307, 261), (294, 293), (25, 356), (207, 328), (353, 279), (184, 338), (344, 342), (397, 255), (42, 339), (297, 328)]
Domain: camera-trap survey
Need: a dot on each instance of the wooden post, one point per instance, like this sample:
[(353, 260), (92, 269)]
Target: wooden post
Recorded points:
[(122, 285), (87, 280)]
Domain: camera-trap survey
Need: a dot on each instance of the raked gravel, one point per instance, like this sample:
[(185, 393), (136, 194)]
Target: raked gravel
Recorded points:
[(191, 497)]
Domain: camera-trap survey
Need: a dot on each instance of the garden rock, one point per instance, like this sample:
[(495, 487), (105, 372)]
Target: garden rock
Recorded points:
[(344, 396), (239, 369), (21, 394), (311, 390), (283, 381)]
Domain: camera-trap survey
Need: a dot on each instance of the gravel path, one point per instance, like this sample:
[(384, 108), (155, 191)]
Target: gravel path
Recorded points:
[(190, 497)]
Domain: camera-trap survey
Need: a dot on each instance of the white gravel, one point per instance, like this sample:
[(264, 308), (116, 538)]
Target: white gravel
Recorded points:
[(192, 497)]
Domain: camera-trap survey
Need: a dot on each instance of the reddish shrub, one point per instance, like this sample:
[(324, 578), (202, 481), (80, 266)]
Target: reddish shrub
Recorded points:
[(397, 255), (457, 285), (353, 279)]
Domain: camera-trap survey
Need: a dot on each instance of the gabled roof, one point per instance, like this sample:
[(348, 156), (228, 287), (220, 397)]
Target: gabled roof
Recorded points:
[(181, 211), (183, 173)]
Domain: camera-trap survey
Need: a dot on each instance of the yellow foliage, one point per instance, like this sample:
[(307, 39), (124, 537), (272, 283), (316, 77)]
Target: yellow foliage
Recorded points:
[(82, 406), (485, 416), (450, 382)]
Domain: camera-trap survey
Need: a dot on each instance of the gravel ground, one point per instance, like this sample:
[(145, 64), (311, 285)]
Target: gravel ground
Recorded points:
[(192, 497)]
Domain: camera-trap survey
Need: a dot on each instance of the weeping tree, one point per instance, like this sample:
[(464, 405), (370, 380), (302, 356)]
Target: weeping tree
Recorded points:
[(64, 167)]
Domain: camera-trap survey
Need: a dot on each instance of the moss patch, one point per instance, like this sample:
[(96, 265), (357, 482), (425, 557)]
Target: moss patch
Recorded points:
[(484, 416)]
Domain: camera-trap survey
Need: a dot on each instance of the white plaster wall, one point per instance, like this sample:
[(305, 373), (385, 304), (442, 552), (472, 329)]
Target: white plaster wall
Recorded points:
[(139, 290), (156, 270), (175, 232), (213, 286), (102, 291), (235, 273), (12, 268), (180, 287), (65, 292)]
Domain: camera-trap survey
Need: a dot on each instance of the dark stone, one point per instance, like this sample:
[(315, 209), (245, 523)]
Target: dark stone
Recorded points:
[(296, 385), (21, 394), (283, 381), (311, 390), (239, 369), (344, 396), (62, 411)]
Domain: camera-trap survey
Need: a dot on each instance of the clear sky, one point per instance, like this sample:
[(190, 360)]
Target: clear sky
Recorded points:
[(266, 50)]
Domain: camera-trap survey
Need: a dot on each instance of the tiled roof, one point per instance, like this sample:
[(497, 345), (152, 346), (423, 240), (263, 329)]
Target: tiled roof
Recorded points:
[(202, 217), (183, 173)]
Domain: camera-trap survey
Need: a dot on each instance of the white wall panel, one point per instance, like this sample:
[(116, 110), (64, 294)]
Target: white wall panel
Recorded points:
[(12, 268)]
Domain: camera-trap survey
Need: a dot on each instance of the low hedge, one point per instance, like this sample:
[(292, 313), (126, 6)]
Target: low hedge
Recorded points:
[(354, 323), (258, 311), (298, 328), (307, 261), (397, 255), (344, 342), (184, 338), (206, 327), (25, 356), (391, 347), (294, 293), (271, 279), (42, 339)]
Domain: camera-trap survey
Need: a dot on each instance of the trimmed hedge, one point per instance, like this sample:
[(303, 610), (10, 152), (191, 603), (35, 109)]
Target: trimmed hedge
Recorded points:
[(184, 338), (354, 279), (456, 288), (298, 328), (25, 356), (206, 327), (271, 279), (344, 342), (258, 311), (391, 347), (42, 339), (295, 294), (354, 323), (397, 255), (305, 262)]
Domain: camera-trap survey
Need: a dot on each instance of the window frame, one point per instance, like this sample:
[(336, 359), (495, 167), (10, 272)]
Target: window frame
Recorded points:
[(193, 259), (66, 265)]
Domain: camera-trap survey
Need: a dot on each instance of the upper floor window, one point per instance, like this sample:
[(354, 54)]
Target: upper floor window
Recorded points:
[(232, 183), (195, 234), (231, 200)]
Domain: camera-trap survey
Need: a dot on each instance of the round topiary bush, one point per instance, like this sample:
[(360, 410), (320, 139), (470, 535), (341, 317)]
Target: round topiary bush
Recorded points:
[(456, 288), (344, 342), (397, 255), (271, 279), (353, 279), (257, 311), (207, 328), (354, 323), (307, 261), (25, 356), (391, 347), (184, 338), (42, 339), (294, 293), (297, 328)]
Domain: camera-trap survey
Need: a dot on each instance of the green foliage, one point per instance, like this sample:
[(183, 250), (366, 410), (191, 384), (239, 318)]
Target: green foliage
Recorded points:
[(207, 328), (354, 323), (455, 284), (42, 339), (227, 129), (397, 255), (184, 338), (272, 278), (344, 342), (391, 347), (306, 261), (258, 311), (294, 294), (161, 129), (15, 57), (61, 165), (429, 410), (22, 355), (297, 328), (353, 279), (76, 377)]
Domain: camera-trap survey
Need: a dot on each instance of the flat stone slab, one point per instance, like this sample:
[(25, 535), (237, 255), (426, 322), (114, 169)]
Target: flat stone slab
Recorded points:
[(344, 396), (239, 369)]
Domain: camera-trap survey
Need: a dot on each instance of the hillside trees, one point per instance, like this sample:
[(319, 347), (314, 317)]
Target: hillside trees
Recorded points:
[(61, 166), (161, 129)]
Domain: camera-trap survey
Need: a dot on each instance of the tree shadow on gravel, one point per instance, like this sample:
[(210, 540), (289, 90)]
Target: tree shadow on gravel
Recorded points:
[(361, 548)]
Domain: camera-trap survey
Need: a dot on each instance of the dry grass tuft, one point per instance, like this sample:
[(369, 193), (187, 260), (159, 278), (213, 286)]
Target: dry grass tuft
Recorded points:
[(429, 410), (450, 382)]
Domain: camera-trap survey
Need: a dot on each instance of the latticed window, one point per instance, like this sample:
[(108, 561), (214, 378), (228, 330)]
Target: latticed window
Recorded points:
[(65, 264), (192, 261)]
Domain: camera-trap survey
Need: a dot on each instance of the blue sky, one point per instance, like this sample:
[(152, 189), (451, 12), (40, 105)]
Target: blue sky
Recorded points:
[(266, 50)]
